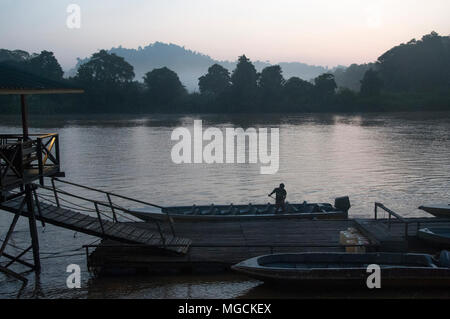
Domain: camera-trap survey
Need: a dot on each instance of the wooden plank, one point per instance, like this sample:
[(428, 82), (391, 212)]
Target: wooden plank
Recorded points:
[(83, 223)]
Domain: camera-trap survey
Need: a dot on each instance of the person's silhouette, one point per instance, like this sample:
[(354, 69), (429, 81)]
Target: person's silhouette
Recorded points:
[(280, 198)]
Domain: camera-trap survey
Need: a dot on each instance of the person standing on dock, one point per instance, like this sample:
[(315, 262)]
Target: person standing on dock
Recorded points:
[(280, 198)]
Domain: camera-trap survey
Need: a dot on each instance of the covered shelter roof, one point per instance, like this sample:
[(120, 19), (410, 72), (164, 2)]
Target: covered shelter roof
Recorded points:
[(16, 81)]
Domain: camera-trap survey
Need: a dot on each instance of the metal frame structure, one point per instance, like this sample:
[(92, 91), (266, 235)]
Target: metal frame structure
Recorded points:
[(18, 157)]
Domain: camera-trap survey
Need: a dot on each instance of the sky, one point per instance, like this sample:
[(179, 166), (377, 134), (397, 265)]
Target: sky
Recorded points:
[(319, 32)]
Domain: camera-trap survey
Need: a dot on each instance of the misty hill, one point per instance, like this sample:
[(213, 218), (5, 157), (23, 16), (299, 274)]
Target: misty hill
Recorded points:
[(190, 65), (351, 76)]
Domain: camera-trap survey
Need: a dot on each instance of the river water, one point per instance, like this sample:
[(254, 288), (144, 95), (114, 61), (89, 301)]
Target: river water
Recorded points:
[(401, 160)]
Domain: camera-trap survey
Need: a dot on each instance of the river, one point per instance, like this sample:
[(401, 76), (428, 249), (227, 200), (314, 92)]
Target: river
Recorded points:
[(399, 159)]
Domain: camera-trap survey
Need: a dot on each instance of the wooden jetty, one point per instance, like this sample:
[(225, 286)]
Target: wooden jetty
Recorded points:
[(219, 245)]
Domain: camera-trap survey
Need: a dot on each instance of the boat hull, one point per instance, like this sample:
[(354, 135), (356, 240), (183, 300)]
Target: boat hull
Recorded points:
[(251, 212), (441, 211), (188, 218), (336, 269), (436, 236)]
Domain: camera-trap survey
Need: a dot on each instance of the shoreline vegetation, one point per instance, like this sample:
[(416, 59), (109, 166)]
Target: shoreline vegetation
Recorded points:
[(410, 77)]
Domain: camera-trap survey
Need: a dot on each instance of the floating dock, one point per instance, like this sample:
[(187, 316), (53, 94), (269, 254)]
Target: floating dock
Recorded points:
[(218, 245), (167, 246)]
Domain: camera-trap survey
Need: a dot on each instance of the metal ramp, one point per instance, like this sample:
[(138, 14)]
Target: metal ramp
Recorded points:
[(99, 226)]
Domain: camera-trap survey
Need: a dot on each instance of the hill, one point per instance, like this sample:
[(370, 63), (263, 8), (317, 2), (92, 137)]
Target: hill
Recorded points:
[(190, 65)]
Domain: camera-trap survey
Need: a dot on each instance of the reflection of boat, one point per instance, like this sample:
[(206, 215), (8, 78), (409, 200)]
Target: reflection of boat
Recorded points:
[(437, 236), (232, 212), (328, 269), (439, 210)]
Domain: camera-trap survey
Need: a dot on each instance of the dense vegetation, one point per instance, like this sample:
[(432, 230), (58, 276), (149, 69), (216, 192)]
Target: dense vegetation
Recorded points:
[(410, 77)]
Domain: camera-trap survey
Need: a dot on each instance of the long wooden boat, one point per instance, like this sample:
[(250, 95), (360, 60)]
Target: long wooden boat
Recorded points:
[(438, 210), (342, 269), (252, 212), (435, 235)]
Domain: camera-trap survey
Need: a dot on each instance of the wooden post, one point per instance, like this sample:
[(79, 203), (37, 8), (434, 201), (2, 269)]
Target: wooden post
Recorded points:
[(11, 228), (57, 152), (99, 218), (33, 227), (24, 117), (112, 207), (38, 206), (55, 193), (40, 163)]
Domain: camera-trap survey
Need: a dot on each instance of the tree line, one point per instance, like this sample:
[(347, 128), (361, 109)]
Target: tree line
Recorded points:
[(409, 77)]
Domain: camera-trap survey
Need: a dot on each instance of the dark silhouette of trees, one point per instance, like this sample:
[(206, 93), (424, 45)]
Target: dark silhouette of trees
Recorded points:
[(216, 81), (14, 56), (325, 84), (46, 65), (106, 68), (409, 77), (244, 77), (244, 81), (417, 65), (107, 80), (163, 86), (298, 93), (371, 84), (271, 83)]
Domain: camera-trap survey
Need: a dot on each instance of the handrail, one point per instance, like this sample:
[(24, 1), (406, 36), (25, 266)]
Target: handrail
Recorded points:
[(109, 204), (34, 134), (390, 214), (105, 192), (18, 154), (96, 205), (82, 198), (20, 139), (109, 194)]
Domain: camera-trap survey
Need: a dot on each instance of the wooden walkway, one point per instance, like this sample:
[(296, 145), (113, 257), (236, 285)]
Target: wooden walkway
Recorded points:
[(392, 238), (121, 232), (218, 245)]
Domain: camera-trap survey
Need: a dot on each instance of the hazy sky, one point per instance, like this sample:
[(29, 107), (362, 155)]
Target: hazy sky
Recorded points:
[(322, 32)]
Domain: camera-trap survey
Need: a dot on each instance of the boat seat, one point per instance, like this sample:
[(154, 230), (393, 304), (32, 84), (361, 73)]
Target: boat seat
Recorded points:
[(291, 209)]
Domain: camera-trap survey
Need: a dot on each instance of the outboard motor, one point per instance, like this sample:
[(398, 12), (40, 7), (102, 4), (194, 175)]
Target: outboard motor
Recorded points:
[(342, 203)]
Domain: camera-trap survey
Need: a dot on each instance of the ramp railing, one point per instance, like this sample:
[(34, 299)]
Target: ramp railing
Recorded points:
[(391, 214), (114, 210)]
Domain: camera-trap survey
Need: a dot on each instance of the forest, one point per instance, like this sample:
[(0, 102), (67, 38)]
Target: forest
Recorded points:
[(414, 76)]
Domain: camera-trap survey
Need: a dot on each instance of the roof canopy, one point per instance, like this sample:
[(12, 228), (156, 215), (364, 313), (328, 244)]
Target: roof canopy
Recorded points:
[(16, 81)]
